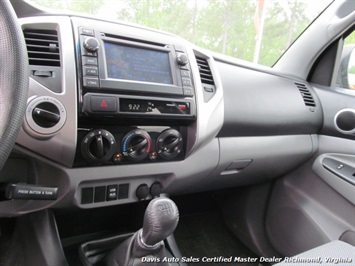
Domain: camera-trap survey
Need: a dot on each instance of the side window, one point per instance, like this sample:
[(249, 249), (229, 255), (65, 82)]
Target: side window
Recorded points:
[(346, 74)]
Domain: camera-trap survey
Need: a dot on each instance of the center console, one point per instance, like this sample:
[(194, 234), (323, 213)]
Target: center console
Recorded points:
[(117, 113), (135, 98)]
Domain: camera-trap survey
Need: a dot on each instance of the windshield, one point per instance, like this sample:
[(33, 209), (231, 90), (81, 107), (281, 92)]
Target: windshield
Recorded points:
[(258, 31)]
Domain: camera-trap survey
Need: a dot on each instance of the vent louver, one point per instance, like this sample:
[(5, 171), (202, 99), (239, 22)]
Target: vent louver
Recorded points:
[(205, 71), (306, 95), (42, 47)]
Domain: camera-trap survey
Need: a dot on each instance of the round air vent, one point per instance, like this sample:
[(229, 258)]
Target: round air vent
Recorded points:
[(45, 116), (345, 121)]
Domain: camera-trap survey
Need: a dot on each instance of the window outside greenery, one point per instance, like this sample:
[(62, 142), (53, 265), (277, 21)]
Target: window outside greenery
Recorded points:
[(253, 30), (350, 41)]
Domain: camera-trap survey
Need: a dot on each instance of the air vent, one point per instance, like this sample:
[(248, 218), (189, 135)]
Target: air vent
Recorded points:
[(42, 47), (205, 71), (306, 95)]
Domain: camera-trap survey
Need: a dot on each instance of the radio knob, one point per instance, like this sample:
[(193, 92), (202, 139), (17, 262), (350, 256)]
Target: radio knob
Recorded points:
[(182, 59), (98, 146), (91, 44)]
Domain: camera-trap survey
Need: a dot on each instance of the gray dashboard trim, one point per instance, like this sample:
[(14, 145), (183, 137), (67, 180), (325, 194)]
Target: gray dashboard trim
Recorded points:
[(210, 115), (270, 156), (61, 146), (176, 177), (202, 171)]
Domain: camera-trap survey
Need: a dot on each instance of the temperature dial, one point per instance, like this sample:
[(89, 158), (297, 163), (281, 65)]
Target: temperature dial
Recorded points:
[(169, 144), (136, 145), (98, 146)]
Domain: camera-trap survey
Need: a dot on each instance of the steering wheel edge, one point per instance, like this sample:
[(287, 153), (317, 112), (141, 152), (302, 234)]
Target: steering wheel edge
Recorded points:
[(14, 79)]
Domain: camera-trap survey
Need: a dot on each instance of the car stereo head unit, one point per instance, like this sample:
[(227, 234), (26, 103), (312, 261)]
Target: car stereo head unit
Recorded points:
[(120, 64), (135, 63)]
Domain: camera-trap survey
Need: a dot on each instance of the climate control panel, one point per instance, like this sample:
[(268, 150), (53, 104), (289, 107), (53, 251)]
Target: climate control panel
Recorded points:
[(128, 145)]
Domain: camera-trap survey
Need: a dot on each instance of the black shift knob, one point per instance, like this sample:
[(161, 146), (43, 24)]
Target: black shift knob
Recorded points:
[(160, 220)]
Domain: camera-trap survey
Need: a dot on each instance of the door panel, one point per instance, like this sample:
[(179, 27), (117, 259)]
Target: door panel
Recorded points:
[(305, 211), (313, 205), (338, 171)]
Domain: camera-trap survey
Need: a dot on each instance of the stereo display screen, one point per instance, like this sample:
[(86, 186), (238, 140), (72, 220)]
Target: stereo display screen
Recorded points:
[(138, 64)]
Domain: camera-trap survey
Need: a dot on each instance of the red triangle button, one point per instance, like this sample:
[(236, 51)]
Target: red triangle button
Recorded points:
[(103, 104)]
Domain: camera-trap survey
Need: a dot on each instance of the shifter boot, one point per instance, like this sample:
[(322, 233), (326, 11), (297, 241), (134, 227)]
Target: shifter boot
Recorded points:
[(147, 245)]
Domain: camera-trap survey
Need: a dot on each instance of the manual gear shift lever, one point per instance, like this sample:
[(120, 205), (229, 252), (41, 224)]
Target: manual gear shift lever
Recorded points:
[(160, 220)]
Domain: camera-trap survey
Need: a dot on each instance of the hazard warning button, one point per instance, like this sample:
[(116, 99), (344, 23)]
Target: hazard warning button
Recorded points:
[(103, 104)]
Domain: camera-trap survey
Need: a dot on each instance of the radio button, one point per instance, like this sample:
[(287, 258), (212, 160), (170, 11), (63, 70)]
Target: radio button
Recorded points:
[(185, 73), (112, 192), (186, 82), (91, 82), (103, 104), (188, 91), (91, 71), (89, 60), (87, 53), (86, 31)]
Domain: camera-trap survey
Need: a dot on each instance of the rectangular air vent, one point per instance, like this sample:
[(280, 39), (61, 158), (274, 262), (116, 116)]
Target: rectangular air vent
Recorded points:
[(42, 47), (306, 95), (205, 71)]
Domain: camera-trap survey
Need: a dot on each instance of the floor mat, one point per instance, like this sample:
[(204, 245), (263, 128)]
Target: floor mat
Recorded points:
[(10, 247), (206, 236)]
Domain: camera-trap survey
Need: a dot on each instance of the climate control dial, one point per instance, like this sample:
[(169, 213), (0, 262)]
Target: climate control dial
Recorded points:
[(98, 145), (136, 145), (169, 144)]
